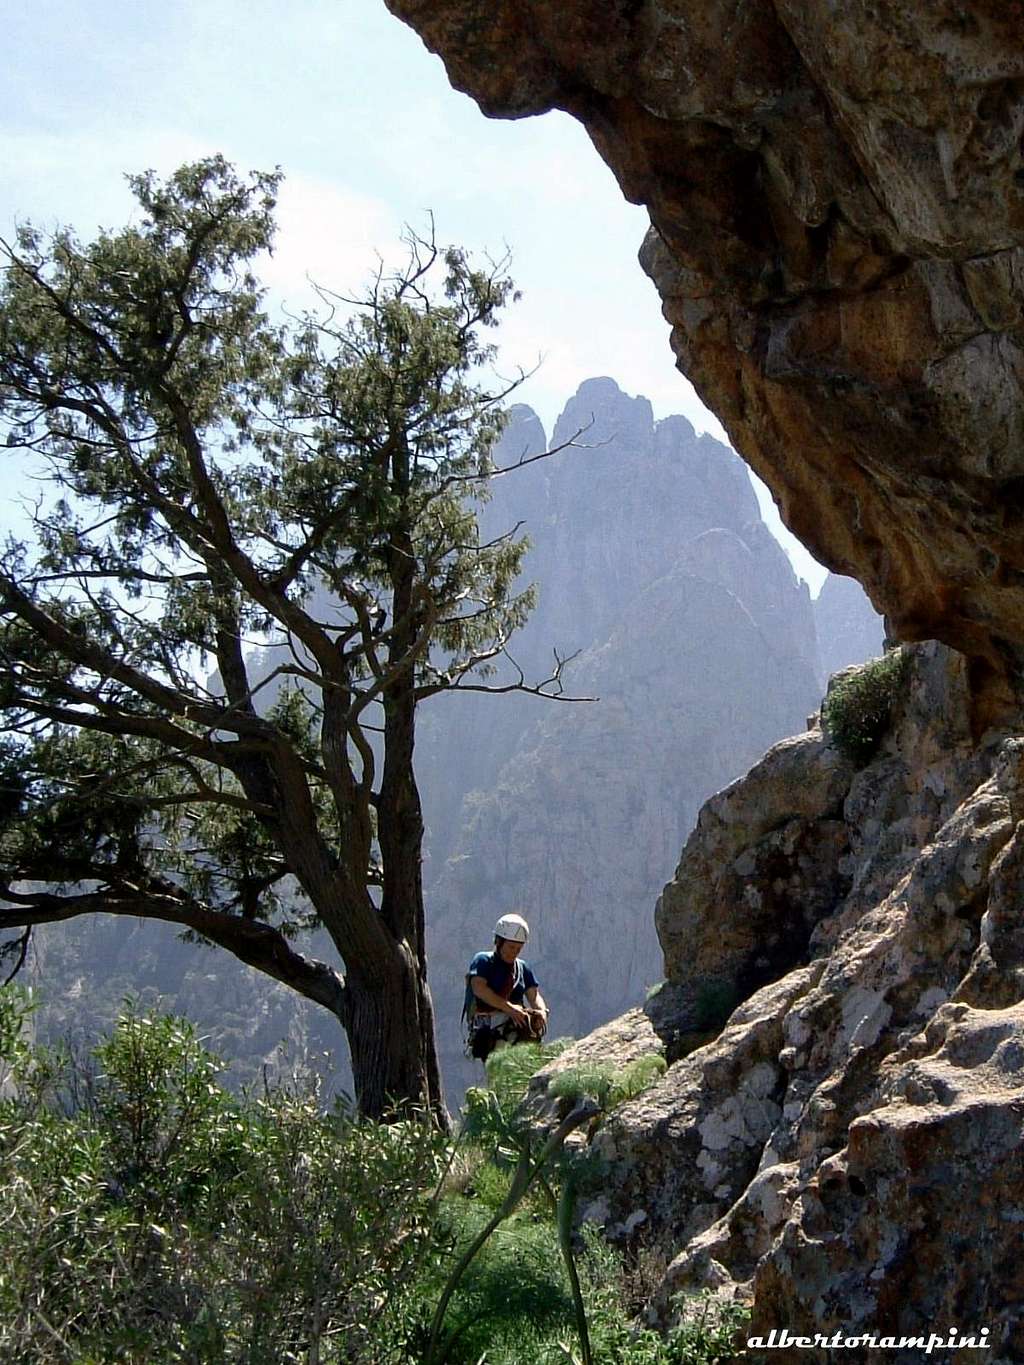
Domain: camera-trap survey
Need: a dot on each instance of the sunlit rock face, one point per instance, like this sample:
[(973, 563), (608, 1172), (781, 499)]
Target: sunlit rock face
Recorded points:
[(844, 1151), (837, 200), (698, 643)]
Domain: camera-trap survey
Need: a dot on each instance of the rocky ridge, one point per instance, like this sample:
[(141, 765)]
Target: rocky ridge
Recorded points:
[(846, 1153), (848, 630), (700, 645)]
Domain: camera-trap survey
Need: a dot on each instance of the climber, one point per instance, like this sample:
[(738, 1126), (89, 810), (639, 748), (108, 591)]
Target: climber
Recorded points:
[(503, 1001)]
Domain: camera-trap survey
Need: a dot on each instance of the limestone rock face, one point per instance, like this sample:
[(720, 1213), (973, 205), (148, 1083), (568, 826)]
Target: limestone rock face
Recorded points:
[(837, 204), (765, 863), (849, 629), (918, 1218), (845, 1153), (699, 644)]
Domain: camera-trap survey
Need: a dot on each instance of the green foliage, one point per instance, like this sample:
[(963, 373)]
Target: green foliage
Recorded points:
[(858, 709), (209, 479), (15, 1009), (514, 1300), (504, 1314), (160, 1219), (220, 468), (703, 1336), (610, 1086), (151, 1217), (515, 1304), (510, 1069)]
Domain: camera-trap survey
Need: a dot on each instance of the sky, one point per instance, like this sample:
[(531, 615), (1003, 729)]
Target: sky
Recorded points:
[(362, 120)]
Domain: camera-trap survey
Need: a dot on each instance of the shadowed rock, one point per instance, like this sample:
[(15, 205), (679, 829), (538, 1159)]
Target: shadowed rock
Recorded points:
[(837, 206)]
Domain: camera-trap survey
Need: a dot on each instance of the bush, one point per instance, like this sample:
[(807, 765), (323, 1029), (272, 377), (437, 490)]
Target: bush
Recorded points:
[(858, 708), (703, 1336), (152, 1217), (166, 1220), (514, 1301), (510, 1069), (609, 1085), (491, 1113)]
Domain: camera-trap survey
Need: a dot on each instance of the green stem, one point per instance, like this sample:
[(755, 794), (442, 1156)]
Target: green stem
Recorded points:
[(563, 1210), (521, 1182)]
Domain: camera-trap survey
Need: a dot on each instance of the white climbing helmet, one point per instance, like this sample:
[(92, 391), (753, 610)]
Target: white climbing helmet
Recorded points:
[(512, 927)]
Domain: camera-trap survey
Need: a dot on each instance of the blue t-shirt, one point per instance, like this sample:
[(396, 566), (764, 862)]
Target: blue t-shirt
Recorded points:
[(496, 974)]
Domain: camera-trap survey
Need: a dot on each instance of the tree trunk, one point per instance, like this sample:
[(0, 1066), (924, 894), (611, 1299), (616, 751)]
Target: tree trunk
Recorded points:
[(390, 1029), (394, 1051)]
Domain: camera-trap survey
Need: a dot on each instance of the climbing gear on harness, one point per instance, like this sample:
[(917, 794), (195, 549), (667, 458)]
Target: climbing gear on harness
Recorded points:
[(478, 1019)]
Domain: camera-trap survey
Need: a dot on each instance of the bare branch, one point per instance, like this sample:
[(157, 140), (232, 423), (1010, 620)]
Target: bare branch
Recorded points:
[(16, 945), (551, 688), (253, 942)]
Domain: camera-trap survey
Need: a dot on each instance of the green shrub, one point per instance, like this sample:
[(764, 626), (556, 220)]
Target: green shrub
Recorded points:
[(609, 1085), (858, 709), (165, 1220), (704, 1337), (158, 1219), (510, 1069), (490, 1114), (514, 1301)]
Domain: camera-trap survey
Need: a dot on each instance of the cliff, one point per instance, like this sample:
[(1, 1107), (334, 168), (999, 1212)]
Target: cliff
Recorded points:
[(699, 645), (836, 197), (837, 216), (843, 1152)]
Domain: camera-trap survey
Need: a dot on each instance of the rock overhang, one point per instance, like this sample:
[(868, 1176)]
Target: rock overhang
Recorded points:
[(837, 207)]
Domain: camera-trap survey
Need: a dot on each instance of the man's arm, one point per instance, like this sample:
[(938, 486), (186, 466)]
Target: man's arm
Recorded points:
[(538, 1006), (494, 1001)]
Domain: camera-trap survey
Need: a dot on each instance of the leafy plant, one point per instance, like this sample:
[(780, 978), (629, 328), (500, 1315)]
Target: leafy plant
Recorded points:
[(158, 1218), (166, 1220), (610, 1086), (858, 709), (703, 1335)]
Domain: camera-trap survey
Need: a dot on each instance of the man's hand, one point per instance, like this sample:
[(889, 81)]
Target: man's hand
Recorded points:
[(519, 1017), (538, 1023)]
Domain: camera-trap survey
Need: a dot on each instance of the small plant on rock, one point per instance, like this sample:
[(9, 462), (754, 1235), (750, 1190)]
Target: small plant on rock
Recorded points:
[(610, 1086), (858, 708)]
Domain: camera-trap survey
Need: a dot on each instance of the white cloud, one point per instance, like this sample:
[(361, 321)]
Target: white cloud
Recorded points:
[(78, 177)]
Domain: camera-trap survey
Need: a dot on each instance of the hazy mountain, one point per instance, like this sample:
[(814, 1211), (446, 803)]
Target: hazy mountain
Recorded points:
[(849, 628), (698, 642)]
